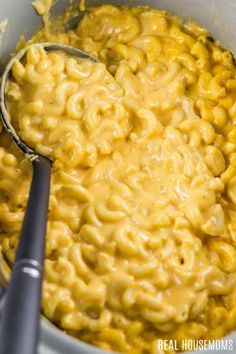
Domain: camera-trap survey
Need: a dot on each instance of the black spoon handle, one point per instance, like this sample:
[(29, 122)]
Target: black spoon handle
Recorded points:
[(19, 327)]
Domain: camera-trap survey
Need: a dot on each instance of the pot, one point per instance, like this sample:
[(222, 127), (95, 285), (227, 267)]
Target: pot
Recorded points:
[(216, 15)]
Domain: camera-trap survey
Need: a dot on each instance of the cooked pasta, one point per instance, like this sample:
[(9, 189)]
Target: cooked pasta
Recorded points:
[(141, 238)]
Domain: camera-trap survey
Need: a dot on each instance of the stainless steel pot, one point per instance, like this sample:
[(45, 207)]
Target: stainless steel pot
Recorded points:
[(216, 15)]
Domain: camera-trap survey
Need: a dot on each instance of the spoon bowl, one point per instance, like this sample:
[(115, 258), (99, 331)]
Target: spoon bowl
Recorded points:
[(48, 46)]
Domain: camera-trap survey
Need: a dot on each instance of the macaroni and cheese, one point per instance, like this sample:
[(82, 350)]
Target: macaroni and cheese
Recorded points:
[(141, 239)]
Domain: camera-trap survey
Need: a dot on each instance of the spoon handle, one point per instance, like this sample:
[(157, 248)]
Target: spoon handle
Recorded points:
[(19, 327)]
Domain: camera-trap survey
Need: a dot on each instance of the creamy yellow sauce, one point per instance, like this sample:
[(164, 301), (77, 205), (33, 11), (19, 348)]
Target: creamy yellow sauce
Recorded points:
[(141, 228)]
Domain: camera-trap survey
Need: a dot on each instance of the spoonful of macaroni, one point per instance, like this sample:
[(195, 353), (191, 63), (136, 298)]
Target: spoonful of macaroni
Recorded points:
[(39, 68)]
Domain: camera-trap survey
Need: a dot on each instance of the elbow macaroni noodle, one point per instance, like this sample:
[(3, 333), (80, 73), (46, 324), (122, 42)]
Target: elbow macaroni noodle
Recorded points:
[(141, 239)]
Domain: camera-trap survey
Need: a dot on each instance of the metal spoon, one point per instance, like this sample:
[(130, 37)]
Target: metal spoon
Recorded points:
[(19, 327)]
